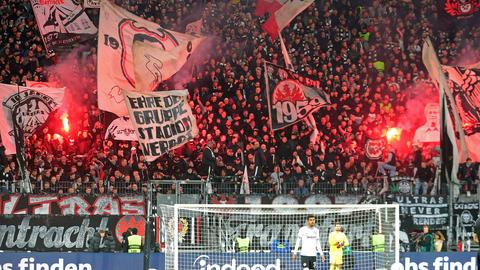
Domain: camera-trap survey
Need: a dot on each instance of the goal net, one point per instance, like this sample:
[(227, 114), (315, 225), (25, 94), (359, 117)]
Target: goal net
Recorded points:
[(263, 237)]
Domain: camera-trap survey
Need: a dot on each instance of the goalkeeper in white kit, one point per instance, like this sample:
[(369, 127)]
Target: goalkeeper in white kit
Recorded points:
[(309, 238)]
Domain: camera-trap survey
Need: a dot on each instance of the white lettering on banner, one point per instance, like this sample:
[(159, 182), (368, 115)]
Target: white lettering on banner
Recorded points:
[(53, 236), (424, 210), (30, 264), (440, 263), (202, 262)]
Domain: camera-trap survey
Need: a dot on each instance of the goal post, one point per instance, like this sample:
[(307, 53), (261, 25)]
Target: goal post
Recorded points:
[(263, 237)]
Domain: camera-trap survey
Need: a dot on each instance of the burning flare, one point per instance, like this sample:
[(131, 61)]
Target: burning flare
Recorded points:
[(66, 125), (393, 134)]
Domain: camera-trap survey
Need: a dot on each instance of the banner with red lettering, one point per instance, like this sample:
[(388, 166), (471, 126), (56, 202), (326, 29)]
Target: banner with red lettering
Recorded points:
[(24, 204)]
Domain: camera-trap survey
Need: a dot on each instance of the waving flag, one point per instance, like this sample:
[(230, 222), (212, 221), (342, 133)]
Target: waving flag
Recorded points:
[(62, 23), (118, 31), (291, 98), (26, 107), (245, 186), (282, 12)]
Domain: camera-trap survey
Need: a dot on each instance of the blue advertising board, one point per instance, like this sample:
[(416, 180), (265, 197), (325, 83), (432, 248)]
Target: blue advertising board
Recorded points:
[(77, 261), (225, 261), (437, 261)]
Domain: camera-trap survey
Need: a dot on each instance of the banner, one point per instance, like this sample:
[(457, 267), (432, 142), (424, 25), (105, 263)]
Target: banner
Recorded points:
[(116, 70), (28, 107), (121, 129), (464, 217), (163, 120), (374, 148), (416, 211), (62, 23), (290, 98), (61, 233), (402, 184), (41, 84), (429, 132), (78, 261), (22, 204), (286, 199), (91, 4), (464, 85), (282, 12)]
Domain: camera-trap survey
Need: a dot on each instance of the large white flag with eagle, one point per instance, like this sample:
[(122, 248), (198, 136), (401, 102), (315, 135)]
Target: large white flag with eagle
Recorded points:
[(118, 31), (28, 107)]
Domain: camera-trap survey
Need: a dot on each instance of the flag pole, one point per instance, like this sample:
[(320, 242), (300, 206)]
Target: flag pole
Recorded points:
[(267, 90), (309, 120), (25, 185), (286, 57)]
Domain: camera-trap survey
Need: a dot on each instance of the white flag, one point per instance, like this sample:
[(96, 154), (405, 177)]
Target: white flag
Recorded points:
[(121, 129), (62, 23), (194, 28), (284, 11), (154, 65), (28, 107), (116, 70), (163, 121), (245, 186)]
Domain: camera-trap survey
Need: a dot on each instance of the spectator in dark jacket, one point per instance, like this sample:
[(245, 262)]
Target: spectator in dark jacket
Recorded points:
[(101, 242), (468, 173), (423, 176)]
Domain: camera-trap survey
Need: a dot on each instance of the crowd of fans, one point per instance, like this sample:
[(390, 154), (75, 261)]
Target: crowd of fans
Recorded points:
[(365, 55)]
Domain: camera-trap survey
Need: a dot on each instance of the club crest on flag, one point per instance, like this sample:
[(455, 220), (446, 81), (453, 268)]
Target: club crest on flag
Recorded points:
[(374, 148), (30, 108), (290, 100)]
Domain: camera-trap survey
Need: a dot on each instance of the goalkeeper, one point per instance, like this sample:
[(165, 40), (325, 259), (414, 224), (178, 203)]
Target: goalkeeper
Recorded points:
[(309, 238), (337, 241)]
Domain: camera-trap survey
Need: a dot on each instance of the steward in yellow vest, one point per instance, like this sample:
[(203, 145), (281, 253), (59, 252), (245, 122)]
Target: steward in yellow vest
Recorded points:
[(134, 242)]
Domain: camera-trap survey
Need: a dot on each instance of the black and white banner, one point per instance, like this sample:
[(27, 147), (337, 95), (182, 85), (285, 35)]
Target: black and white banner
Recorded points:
[(28, 107), (135, 55), (291, 98), (121, 129), (163, 120), (61, 233), (464, 85), (62, 23), (91, 4), (416, 211)]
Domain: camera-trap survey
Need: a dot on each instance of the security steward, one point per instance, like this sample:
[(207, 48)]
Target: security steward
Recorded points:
[(134, 242), (243, 244), (378, 242)]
